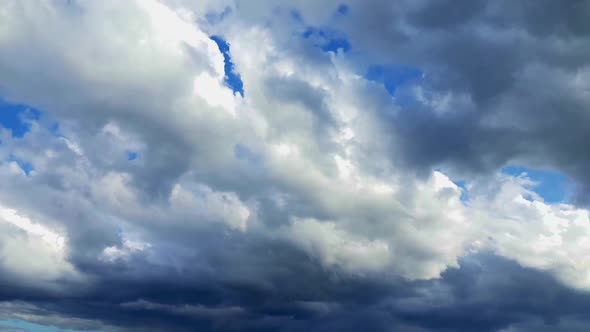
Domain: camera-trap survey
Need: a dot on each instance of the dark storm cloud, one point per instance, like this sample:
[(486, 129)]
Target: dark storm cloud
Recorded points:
[(485, 293), (522, 66), (489, 293)]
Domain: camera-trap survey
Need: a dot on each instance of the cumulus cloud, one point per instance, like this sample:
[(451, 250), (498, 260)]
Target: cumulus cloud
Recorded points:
[(149, 196)]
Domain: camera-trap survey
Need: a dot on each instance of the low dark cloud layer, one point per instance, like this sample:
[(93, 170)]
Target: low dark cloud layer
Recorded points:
[(485, 293)]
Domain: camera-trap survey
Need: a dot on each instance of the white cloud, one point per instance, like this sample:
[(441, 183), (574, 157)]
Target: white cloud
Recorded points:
[(550, 237), (32, 252), (335, 247)]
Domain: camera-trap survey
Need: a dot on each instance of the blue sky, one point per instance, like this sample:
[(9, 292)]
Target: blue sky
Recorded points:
[(19, 325), (15, 117), (327, 40), (232, 77), (552, 185), (393, 76)]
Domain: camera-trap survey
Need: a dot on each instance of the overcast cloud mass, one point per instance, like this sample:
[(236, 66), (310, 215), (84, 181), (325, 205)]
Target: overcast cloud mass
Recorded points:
[(261, 165)]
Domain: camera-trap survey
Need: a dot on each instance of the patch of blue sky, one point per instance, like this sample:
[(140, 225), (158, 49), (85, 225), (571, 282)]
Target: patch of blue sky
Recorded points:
[(553, 186), (26, 166), (343, 9), (327, 40), (462, 184), (393, 76), (19, 325), (131, 155), (17, 117), (464, 191), (232, 78)]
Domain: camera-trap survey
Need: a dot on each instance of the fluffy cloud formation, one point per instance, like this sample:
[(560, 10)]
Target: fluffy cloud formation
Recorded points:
[(149, 196)]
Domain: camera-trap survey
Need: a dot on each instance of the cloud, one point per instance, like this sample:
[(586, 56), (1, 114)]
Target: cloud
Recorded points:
[(318, 199), (514, 81)]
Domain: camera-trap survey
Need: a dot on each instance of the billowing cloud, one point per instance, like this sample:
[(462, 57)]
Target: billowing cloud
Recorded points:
[(353, 182)]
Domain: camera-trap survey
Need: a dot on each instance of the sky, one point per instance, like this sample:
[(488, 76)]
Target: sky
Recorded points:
[(262, 165)]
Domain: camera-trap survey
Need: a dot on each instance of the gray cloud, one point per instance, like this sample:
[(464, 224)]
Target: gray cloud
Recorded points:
[(514, 76), (311, 203)]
